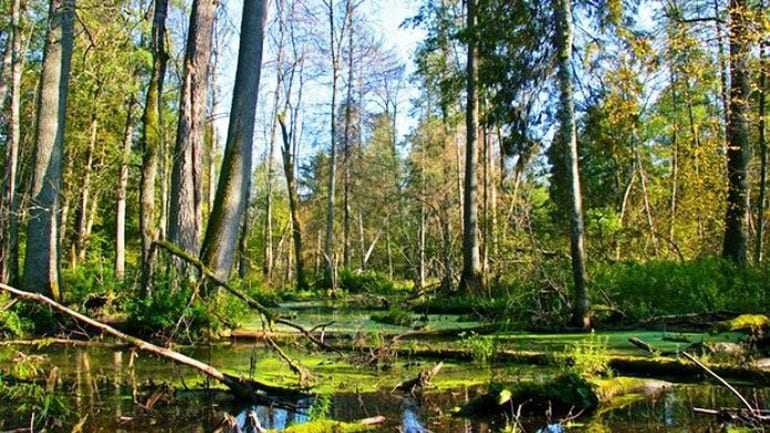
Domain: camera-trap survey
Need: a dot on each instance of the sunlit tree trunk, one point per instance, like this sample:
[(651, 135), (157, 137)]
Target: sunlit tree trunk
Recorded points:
[(120, 212), (85, 191), (218, 248), (151, 141), (568, 134), (185, 213), (470, 281), (328, 250), (41, 264), (734, 247)]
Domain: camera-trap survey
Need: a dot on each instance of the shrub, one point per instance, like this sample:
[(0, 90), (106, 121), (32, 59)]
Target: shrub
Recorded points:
[(484, 349), (589, 357), (643, 290), (365, 282), (168, 312), (394, 316)]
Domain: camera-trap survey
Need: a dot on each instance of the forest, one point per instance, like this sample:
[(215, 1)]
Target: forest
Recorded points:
[(414, 216)]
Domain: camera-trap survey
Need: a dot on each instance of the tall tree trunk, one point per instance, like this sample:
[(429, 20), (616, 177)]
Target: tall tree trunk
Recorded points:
[(85, 191), (674, 177), (734, 247), (267, 228), (296, 223), (346, 163), (568, 133), (6, 64), (9, 254), (120, 213), (759, 251), (151, 142), (185, 211), (722, 74), (329, 240), (41, 264), (471, 278), (221, 238)]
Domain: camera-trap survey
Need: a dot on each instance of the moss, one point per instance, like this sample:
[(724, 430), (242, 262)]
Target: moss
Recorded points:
[(567, 392), (326, 426), (394, 316), (751, 323)]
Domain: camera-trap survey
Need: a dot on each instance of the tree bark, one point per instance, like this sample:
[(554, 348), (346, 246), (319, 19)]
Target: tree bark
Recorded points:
[(734, 247), (330, 271), (85, 190), (346, 226), (152, 141), (296, 223), (41, 264), (568, 134), (470, 281), (9, 254), (759, 251), (120, 213), (218, 248), (185, 213)]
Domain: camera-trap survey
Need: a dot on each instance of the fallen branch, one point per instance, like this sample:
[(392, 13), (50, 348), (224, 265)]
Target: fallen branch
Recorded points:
[(422, 380), (240, 387), (270, 316), (732, 389)]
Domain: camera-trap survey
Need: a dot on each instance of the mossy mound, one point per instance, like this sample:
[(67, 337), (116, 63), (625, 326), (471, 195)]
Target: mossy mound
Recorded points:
[(748, 323), (326, 426), (561, 394)]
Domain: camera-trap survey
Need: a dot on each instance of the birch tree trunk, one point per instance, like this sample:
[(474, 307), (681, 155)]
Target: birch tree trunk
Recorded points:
[(581, 314), (738, 152), (151, 141), (120, 212), (218, 248), (185, 213), (470, 281), (41, 264)]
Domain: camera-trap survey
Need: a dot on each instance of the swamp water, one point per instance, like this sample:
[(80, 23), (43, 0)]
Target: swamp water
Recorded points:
[(107, 387), (103, 386)]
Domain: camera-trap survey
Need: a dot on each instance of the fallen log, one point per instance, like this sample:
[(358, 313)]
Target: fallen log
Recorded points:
[(242, 388)]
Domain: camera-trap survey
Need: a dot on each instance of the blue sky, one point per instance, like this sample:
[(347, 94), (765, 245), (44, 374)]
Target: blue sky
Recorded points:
[(385, 16)]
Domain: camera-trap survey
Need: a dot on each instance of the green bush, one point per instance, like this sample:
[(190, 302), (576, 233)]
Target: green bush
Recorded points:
[(365, 282), (589, 358), (643, 290), (394, 316), (168, 312)]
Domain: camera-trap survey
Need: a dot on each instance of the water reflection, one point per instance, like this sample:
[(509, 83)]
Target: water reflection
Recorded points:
[(271, 417)]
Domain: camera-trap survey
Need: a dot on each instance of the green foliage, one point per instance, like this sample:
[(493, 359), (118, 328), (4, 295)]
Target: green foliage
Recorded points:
[(94, 277), (11, 324), (394, 316), (365, 282), (483, 348), (589, 357), (643, 290), (321, 407), (30, 396), (174, 312)]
